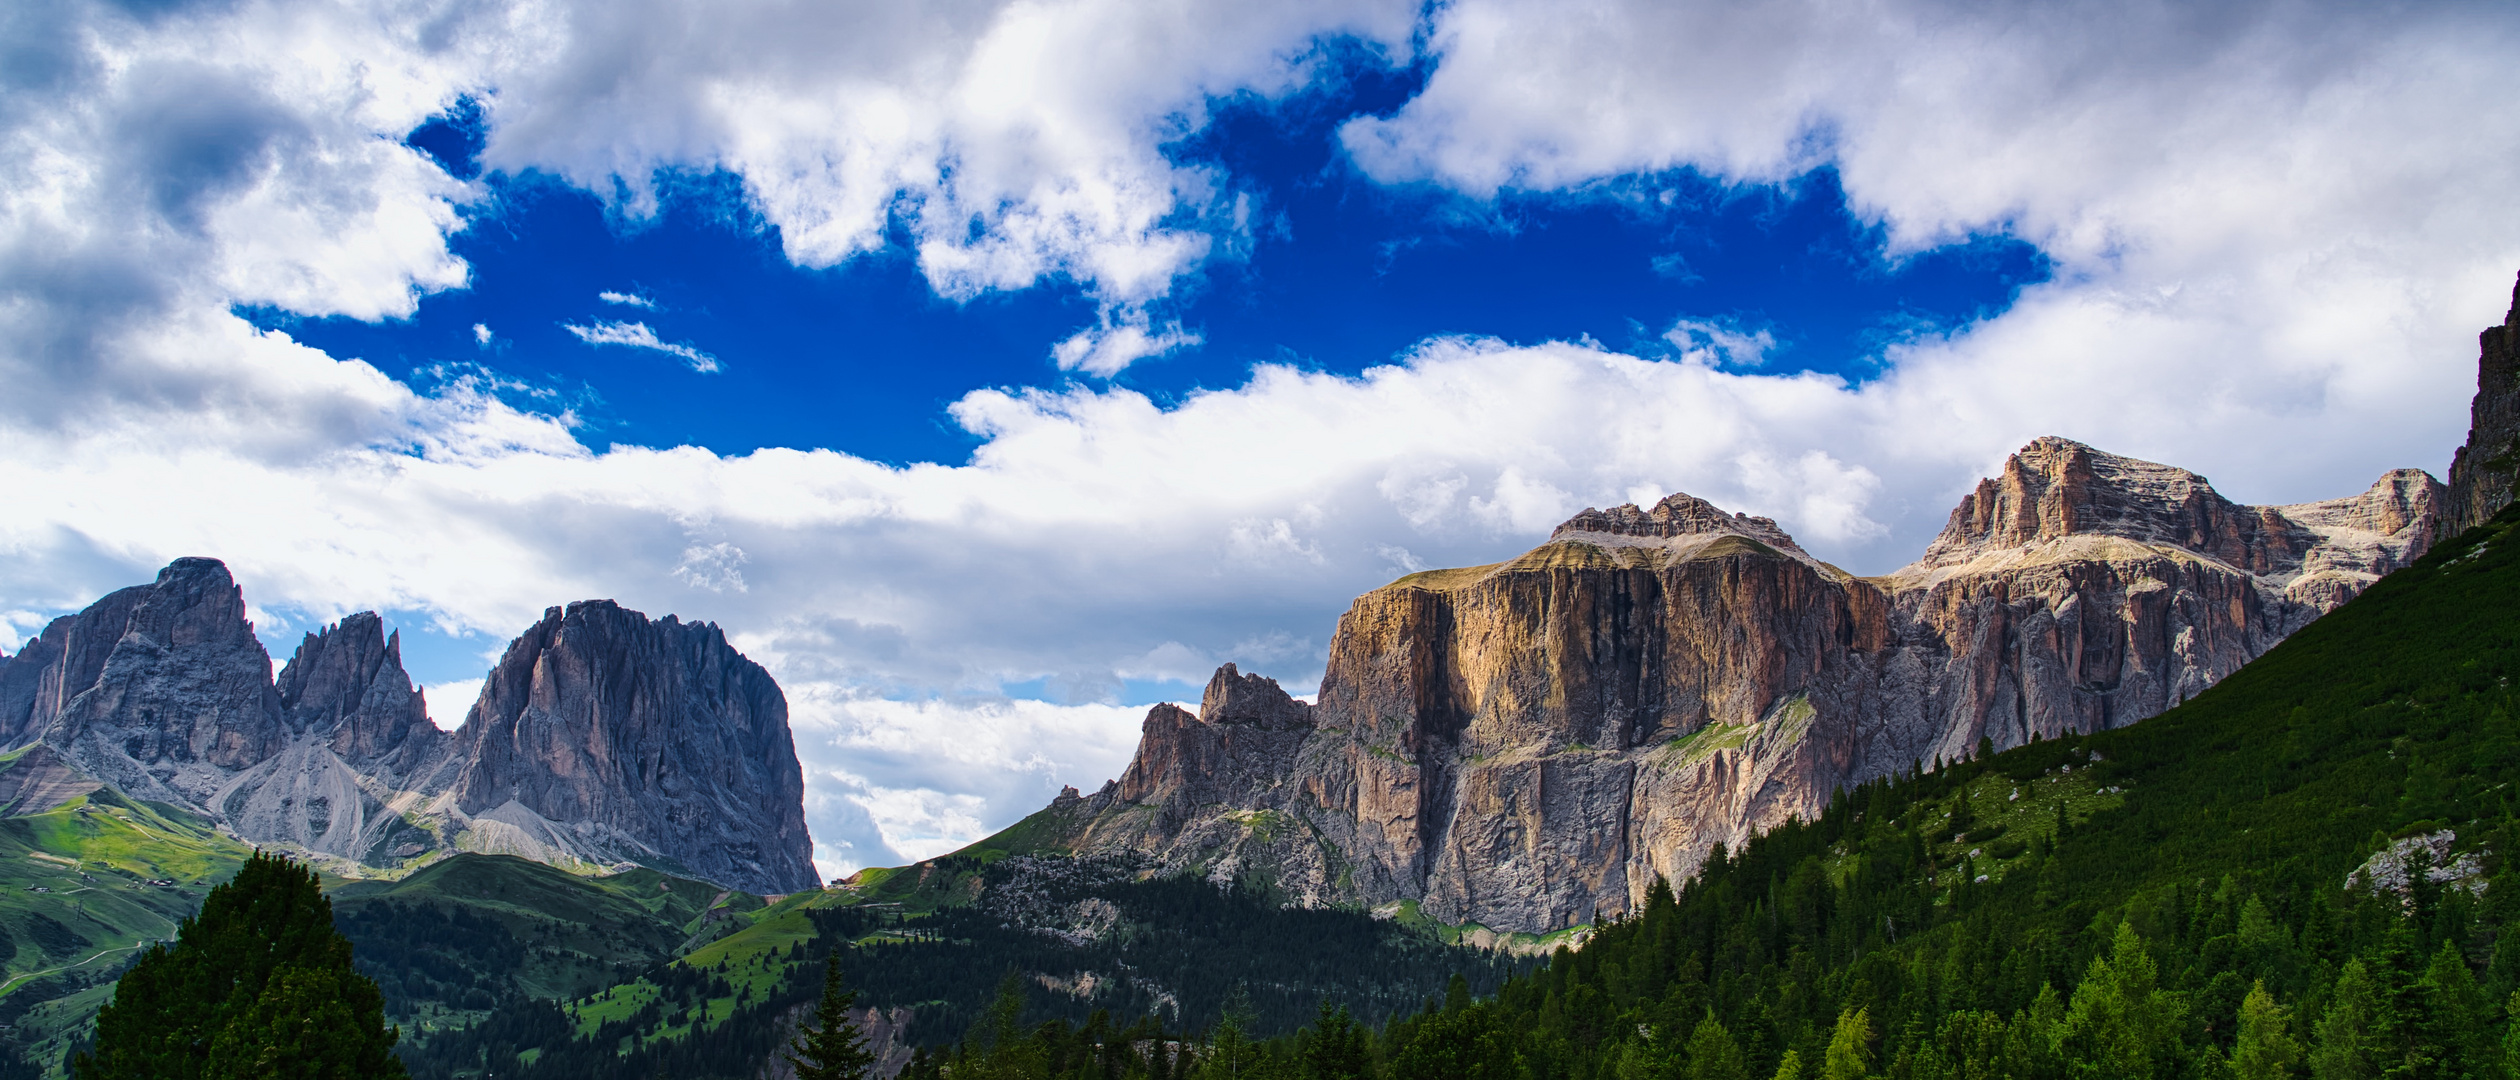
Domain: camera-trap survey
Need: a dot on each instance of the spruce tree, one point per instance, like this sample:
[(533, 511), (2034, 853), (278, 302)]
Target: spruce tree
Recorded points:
[(1713, 1053), (1334, 1048), (2265, 1048), (2348, 1033), (257, 985), (836, 1049), (1849, 1056)]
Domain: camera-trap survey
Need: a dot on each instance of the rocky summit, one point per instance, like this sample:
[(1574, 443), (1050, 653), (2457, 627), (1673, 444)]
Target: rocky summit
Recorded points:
[(602, 737), (2481, 475), (604, 734), (1527, 746)]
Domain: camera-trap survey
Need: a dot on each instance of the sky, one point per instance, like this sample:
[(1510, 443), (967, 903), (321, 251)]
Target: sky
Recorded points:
[(991, 371)]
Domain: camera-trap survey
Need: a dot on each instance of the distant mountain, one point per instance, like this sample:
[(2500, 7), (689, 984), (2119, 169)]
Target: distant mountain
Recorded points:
[(2329, 830), (603, 734), (603, 737), (1527, 746)]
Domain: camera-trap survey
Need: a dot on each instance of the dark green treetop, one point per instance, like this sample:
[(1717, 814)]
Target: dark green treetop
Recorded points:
[(836, 1049), (258, 985)]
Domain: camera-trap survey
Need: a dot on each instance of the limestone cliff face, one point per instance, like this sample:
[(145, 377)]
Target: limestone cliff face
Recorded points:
[(2481, 475), (605, 735), (347, 682), (602, 736), (357, 731), (182, 699), (1528, 745), (62, 661)]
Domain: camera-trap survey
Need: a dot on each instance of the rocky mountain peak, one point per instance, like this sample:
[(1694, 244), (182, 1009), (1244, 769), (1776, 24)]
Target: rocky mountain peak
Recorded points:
[(347, 682), (1235, 698), (605, 734), (2482, 473), (184, 696), (1676, 516), (1245, 726), (2055, 488), (59, 663), (1528, 745)]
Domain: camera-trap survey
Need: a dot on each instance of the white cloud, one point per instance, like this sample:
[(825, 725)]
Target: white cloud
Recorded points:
[(1714, 341), (715, 567), (638, 336), (626, 299), (1015, 140), (482, 334), (926, 777), (450, 701), (1122, 337)]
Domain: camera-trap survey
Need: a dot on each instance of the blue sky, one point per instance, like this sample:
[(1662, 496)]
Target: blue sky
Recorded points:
[(1335, 272), (991, 369)]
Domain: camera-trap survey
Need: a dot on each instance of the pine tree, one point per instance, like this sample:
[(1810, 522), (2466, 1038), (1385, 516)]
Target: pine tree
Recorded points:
[(1790, 1068), (1850, 1047), (2265, 1049), (1231, 1053), (2457, 1026), (257, 985), (1713, 1053), (1334, 1048), (2121, 1023), (2348, 1034), (835, 1050)]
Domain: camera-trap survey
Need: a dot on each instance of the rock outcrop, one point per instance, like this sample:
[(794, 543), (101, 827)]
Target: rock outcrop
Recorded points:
[(358, 733), (182, 700), (2482, 473), (347, 684), (603, 736), (1528, 745)]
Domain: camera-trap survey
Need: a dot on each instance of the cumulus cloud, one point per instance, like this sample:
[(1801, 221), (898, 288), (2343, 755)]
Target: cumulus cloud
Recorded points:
[(2277, 227), (2279, 200), (626, 299), (1120, 339), (1015, 141), (449, 701), (637, 335), (906, 768)]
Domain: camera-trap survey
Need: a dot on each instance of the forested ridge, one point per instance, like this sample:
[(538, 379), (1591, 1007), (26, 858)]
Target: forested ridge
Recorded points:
[(2166, 900), (1177, 957)]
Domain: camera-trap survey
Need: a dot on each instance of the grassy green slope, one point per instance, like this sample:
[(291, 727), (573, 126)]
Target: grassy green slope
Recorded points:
[(82, 888), (2221, 832), (456, 939)]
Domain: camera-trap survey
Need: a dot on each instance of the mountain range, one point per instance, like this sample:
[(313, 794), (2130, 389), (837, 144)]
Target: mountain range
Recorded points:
[(1528, 746), (601, 738)]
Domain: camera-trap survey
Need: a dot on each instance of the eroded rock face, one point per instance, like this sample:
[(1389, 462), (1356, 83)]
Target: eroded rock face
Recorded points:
[(2481, 475), (183, 699), (606, 735), (358, 733), (602, 737), (347, 682), (1528, 745)]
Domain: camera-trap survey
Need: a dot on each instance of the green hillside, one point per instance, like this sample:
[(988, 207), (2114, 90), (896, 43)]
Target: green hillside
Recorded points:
[(83, 886), (454, 939)]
